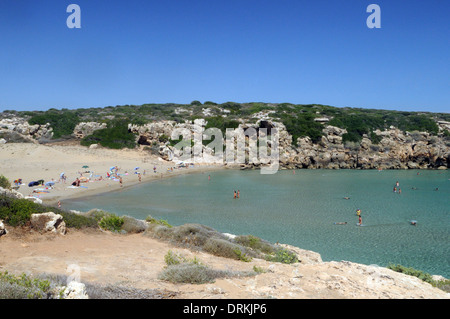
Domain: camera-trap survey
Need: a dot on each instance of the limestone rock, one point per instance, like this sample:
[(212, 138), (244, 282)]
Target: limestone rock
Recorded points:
[(87, 128), (75, 290), (3, 230), (48, 222)]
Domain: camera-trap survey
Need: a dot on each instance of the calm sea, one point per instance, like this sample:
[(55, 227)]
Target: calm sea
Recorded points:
[(300, 209)]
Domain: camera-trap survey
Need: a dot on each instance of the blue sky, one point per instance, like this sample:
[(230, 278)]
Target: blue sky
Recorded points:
[(144, 51)]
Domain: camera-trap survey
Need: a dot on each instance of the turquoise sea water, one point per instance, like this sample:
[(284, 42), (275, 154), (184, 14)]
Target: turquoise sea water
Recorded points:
[(300, 209)]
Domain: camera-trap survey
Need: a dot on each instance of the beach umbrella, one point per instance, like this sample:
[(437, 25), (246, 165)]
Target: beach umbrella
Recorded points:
[(136, 168), (49, 183), (85, 166)]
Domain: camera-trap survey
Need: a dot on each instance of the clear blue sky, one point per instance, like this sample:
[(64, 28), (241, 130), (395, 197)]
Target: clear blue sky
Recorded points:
[(145, 51)]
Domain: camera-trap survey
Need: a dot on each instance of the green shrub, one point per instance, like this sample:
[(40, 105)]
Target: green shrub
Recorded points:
[(16, 212), (412, 272), (115, 136), (162, 222), (111, 222), (283, 256), (255, 243), (25, 287), (441, 284), (302, 125), (62, 122), (241, 256), (172, 258), (77, 221), (222, 247), (4, 182)]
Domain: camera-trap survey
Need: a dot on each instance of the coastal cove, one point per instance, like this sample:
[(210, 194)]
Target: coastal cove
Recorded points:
[(301, 208)]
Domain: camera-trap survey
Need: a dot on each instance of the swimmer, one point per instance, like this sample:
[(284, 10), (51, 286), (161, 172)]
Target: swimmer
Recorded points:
[(414, 222), (238, 193), (360, 220), (234, 194), (341, 223), (346, 197)]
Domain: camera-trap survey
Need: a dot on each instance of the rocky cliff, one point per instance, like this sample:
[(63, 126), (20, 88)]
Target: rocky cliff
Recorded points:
[(396, 149)]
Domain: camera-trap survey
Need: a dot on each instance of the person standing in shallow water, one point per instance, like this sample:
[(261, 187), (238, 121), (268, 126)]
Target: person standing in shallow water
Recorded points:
[(238, 193), (234, 194)]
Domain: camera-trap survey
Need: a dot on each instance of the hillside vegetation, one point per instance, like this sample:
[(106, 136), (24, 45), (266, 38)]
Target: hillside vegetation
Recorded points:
[(300, 119)]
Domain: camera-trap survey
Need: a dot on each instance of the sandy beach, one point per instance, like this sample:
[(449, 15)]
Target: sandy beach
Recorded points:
[(33, 162), (135, 260)]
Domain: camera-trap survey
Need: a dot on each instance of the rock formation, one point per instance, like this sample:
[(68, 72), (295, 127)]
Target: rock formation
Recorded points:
[(3, 230), (396, 149), (17, 130), (48, 222)]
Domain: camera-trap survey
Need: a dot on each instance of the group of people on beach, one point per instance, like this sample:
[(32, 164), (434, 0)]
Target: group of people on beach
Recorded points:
[(236, 194)]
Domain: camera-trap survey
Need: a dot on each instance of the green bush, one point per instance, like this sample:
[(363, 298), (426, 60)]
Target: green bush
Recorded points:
[(255, 243), (4, 182), (26, 287), (77, 221), (115, 136), (412, 272), (283, 256), (16, 212), (111, 222), (162, 222), (62, 122), (302, 125)]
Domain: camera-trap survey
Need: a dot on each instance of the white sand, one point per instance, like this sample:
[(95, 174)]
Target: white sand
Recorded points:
[(32, 162)]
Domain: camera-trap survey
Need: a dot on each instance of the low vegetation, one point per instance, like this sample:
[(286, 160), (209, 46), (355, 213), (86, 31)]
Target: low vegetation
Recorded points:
[(115, 136), (27, 287), (300, 119), (441, 284), (204, 238), (183, 270), (4, 182), (17, 212)]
